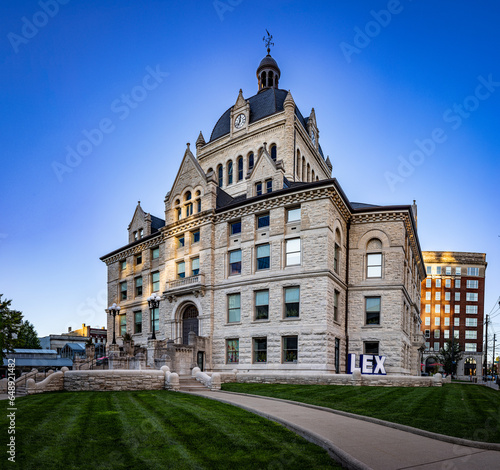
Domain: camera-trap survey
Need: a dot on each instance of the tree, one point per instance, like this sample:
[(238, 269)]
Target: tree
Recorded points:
[(449, 355), (10, 324), (27, 338)]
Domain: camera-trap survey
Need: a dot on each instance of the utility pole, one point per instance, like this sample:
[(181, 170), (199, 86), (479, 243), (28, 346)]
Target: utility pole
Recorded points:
[(494, 341), (486, 350)]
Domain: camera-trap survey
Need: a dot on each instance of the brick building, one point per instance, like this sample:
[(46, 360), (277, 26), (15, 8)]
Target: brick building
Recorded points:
[(262, 262), (453, 307)]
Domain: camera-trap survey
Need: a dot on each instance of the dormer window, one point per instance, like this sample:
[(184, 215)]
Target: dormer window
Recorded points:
[(135, 236), (141, 233), (274, 152)]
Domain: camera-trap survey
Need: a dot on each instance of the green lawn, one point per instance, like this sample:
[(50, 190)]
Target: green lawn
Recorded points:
[(148, 430), (466, 411)]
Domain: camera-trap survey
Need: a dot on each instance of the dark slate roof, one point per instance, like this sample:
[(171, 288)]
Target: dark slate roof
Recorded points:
[(263, 104), (362, 205), (156, 223), (223, 199)]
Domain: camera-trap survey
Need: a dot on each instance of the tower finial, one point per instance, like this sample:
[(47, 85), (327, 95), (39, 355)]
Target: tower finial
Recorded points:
[(268, 41)]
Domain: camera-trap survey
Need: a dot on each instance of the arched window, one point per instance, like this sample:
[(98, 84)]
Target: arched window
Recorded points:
[(263, 80), (250, 161), (187, 197), (336, 252), (274, 151), (230, 172), (240, 168), (198, 205), (210, 170), (178, 210), (308, 172), (312, 175), (220, 174), (298, 163), (270, 79), (303, 178)]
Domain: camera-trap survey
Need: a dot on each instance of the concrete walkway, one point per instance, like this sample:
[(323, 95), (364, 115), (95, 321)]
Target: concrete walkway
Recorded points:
[(361, 444)]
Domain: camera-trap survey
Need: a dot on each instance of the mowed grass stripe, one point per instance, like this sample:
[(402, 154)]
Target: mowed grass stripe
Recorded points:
[(465, 411), (151, 430)]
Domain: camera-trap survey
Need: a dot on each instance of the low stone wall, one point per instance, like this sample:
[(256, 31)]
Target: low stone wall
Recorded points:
[(336, 379), (106, 380), (53, 383)]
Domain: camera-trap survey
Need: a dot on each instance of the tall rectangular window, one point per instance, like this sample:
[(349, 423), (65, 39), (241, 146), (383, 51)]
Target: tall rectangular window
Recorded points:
[(472, 271), (427, 321), (457, 308), (446, 334), (195, 236), (260, 350), (123, 324), (374, 265), (429, 269), (235, 262), (236, 227), (263, 220), (458, 271), (447, 283), (155, 319), (456, 322), (137, 322), (447, 296), (155, 282), (438, 295), (428, 295), (438, 282), (336, 256), (336, 295), (436, 347), (456, 334), (138, 259), (428, 308), (123, 264), (195, 266), (437, 308), (436, 334), (471, 284), (457, 283), (427, 333), (189, 209), (428, 283), (258, 189), (292, 302), (446, 321), (155, 253), (437, 321), (262, 305), (293, 252), (181, 270), (290, 349), (269, 186), (471, 297), (446, 309), (457, 295), (232, 351), (448, 270), (263, 257), (438, 269), (123, 290), (372, 309), (181, 241), (138, 286), (233, 308), (293, 215)]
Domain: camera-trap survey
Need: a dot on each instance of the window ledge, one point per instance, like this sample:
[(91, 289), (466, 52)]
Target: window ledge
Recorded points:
[(372, 326), (232, 323), (290, 319), (263, 320)]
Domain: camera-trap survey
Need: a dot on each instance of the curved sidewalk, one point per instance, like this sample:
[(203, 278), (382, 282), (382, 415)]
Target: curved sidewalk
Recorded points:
[(361, 444)]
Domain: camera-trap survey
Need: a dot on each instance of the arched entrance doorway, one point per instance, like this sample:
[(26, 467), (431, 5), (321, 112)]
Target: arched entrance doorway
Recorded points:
[(430, 365), (470, 366), (189, 322)]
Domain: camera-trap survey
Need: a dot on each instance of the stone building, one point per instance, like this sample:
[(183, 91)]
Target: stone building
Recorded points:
[(453, 307), (262, 262)]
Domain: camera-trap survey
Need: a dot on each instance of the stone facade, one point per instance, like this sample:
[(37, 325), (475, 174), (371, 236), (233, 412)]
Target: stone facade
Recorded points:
[(265, 260)]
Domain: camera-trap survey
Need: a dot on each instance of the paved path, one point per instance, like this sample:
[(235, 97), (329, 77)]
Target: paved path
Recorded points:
[(361, 444)]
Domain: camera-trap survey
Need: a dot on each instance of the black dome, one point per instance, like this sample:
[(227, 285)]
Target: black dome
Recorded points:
[(268, 62)]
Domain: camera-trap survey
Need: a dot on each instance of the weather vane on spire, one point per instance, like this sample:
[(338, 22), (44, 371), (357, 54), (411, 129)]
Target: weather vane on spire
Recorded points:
[(268, 41)]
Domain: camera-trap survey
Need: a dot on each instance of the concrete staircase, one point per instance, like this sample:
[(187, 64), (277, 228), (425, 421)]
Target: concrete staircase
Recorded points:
[(21, 391), (190, 384)]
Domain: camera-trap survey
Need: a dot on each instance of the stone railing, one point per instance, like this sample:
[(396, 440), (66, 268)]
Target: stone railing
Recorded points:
[(191, 284), (213, 382)]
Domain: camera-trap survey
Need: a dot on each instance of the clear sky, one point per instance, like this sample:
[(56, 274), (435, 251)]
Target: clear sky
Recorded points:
[(406, 94)]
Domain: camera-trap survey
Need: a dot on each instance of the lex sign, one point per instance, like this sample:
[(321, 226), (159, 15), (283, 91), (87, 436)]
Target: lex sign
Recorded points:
[(368, 364)]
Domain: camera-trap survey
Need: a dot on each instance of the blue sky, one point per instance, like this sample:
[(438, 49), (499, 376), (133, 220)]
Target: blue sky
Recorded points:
[(386, 78)]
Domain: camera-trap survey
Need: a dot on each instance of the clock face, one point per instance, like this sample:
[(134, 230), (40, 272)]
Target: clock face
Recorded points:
[(240, 120)]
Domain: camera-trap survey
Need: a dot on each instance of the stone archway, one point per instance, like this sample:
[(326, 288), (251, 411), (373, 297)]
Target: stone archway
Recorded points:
[(189, 322), (470, 366)]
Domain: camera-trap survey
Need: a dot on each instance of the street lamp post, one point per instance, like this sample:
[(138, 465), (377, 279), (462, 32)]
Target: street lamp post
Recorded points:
[(153, 302), (114, 310)]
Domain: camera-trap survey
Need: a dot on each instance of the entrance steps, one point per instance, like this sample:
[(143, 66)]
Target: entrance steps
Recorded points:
[(190, 384)]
